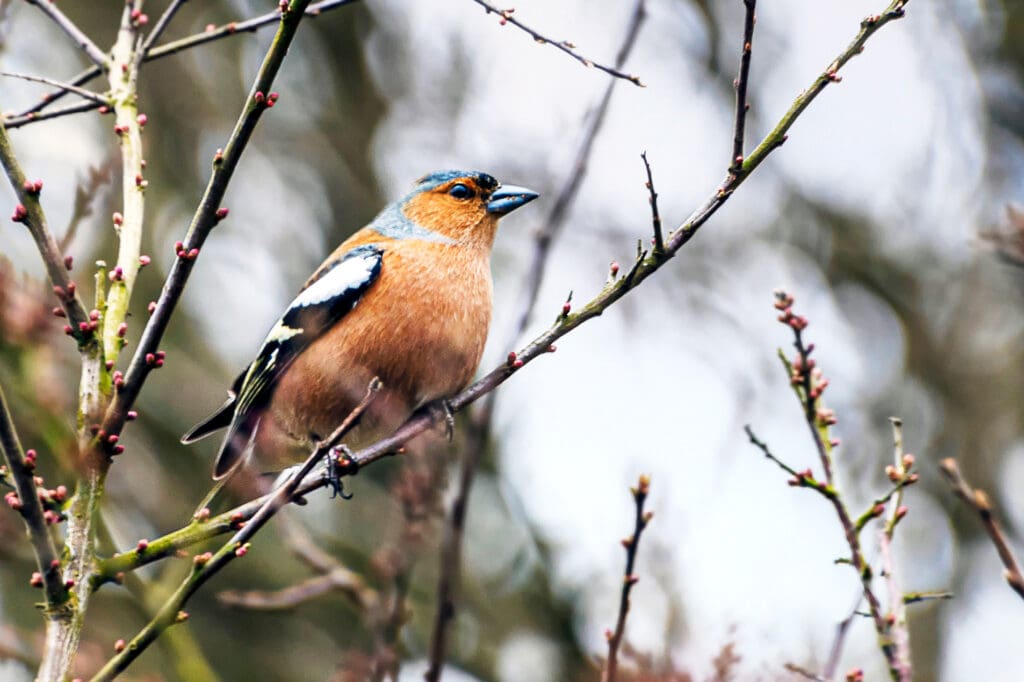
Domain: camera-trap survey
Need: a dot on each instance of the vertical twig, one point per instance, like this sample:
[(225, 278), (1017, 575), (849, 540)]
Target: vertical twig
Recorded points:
[(736, 164), (157, 31), (629, 578), (899, 628), (659, 242)]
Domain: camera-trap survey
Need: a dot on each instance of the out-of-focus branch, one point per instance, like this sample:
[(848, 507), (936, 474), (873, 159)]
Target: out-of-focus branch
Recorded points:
[(451, 545), (979, 500), (506, 16), (226, 31), (740, 118), (26, 501), (629, 578), (339, 579), (84, 43), (207, 565)]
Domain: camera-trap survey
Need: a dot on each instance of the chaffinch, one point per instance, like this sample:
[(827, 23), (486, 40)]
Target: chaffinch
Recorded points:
[(407, 299)]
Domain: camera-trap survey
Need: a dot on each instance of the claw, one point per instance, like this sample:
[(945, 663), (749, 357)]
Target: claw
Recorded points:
[(340, 461), (449, 420)]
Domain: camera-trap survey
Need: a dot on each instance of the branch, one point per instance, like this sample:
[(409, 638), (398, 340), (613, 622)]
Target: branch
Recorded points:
[(898, 627), (563, 45), (631, 544), (97, 99), (741, 86), (659, 241), (26, 501), (24, 119), (207, 565), (84, 43), (161, 25), (226, 31), (979, 500), (30, 212)]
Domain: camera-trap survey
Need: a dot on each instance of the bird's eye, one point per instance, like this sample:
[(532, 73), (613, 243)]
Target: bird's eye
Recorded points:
[(460, 191)]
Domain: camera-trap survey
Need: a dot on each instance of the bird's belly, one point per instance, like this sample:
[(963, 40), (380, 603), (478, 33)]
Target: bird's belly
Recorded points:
[(426, 347)]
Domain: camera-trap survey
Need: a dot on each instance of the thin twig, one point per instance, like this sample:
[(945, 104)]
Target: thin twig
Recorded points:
[(506, 17), (226, 31), (839, 641), (899, 628), (659, 241), (84, 43), (28, 504), (33, 117), (206, 566), (451, 543), (741, 85), (161, 25), (979, 500), (629, 578), (96, 98)]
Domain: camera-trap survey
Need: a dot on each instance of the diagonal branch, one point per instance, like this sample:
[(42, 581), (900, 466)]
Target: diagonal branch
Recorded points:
[(96, 98), (27, 503), (980, 502), (506, 17), (207, 565), (161, 25), (30, 212), (84, 43)]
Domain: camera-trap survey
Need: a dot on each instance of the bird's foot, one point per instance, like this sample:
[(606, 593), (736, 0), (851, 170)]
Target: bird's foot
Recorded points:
[(340, 462), (444, 407)]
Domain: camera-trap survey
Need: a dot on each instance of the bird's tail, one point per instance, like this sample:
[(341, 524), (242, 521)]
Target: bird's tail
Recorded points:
[(215, 422), (237, 443)]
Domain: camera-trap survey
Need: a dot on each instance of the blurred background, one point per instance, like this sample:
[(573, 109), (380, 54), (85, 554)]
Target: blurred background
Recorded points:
[(878, 215)]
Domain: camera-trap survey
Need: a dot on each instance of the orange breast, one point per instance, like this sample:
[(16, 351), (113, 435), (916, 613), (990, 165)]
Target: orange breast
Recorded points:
[(421, 328)]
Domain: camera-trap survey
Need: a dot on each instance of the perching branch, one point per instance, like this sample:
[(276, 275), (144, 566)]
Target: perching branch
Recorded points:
[(541, 345), (629, 579), (26, 501), (506, 17), (207, 565), (226, 31), (979, 501)]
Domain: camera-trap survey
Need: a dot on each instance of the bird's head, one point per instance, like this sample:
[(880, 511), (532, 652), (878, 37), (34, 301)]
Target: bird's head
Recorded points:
[(463, 206)]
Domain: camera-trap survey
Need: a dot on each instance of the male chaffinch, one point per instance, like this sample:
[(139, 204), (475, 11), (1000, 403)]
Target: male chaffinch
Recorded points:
[(407, 299)]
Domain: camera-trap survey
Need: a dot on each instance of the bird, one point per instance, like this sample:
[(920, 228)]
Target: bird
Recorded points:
[(406, 299)]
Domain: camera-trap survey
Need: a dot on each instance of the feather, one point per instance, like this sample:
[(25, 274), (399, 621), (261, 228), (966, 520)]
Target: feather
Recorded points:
[(335, 290)]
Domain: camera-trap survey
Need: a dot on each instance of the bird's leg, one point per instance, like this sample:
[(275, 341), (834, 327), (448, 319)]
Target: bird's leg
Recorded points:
[(340, 461), (445, 408)]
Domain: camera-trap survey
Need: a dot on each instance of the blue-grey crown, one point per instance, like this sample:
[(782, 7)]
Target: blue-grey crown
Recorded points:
[(427, 182)]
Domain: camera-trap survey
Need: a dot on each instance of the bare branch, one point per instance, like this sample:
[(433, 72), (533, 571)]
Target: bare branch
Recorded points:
[(33, 117), (659, 241), (161, 25), (26, 501), (980, 502), (226, 31), (741, 86), (629, 579), (83, 41), (506, 17), (96, 98)]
